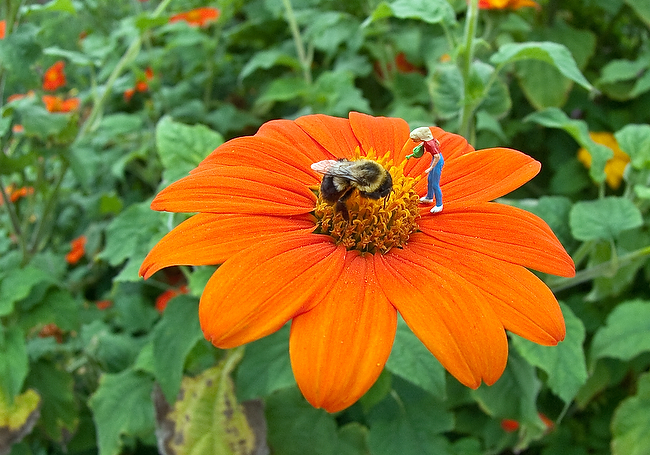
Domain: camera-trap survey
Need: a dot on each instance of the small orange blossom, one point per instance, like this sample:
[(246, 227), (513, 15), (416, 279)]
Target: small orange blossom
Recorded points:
[(164, 298), (3, 29), (458, 278), (58, 104), (77, 250), (199, 17), (615, 166), (507, 4), (509, 425), (54, 76)]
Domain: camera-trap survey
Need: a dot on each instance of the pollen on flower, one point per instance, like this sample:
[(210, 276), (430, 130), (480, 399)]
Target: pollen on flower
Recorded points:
[(375, 226)]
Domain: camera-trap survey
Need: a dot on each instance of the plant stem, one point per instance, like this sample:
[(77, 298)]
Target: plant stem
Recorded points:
[(13, 217), (599, 270), (466, 127), (304, 57)]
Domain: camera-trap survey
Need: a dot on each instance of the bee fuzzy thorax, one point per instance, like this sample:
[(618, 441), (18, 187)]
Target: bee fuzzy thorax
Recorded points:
[(366, 204)]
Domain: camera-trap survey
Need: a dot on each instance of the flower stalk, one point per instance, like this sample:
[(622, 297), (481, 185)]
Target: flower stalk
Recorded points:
[(304, 56), (466, 128)]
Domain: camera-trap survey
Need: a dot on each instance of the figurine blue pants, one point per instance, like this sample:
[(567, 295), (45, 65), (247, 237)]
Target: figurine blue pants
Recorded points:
[(433, 181)]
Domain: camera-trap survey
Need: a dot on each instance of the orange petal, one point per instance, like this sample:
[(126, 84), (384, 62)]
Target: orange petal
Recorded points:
[(447, 313), (258, 290), (288, 132), (383, 134), (523, 303), (502, 232), (334, 134), (484, 175), (207, 239), (264, 153), (236, 189), (339, 348)]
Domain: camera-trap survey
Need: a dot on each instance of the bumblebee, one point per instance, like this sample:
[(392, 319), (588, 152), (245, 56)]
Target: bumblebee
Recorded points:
[(342, 177)]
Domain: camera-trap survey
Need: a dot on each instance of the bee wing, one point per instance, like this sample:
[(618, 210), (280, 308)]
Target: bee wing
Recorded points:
[(323, 166)]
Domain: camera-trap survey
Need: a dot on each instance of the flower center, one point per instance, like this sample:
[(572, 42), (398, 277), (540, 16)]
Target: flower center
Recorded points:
[(374, 225)]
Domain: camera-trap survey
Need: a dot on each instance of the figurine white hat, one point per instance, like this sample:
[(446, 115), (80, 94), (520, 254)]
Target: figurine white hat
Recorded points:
[(421, 134)]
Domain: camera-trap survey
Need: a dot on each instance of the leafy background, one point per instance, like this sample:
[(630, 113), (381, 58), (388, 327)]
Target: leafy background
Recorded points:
[(93, 361)]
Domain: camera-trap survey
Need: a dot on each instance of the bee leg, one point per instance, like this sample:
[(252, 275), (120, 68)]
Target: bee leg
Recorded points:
[(340, 204), (342, 209)]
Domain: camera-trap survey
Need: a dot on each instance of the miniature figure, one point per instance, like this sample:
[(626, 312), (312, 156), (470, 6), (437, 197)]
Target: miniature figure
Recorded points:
[(431, 145)]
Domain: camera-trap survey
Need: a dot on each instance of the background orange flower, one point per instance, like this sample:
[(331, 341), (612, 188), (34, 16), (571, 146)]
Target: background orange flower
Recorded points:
[(58, 104), (77, 250), (199, 17), (507, 4), (54, 76), (3, 27)]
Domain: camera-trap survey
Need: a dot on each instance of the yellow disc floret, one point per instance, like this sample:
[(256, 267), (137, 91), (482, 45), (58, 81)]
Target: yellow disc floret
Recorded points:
[(374, 225)]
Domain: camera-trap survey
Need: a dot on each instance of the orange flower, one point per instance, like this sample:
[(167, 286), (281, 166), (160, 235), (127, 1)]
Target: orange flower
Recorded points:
[(509, 425), (51, 330), (58, 104), (164, 298), (20, 96), (615, 166), (141, 85), (77, 251), (16, 193), (507, 4), (458, 278), (3, 28), (199, 17), (103, 304), (54, 76), (18, 129)]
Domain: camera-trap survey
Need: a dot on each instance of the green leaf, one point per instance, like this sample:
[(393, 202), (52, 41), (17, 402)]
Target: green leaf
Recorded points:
[(626, 333), (130, 232), (553, 117), (296, 428), (412, 361), (182, 147), (113, 351), (565, 363), (267, 59), (122, 406), (173, 338), (266, 367), (56, 5), (631, 422), (447, 91), (59, 409), (641, 8), (635, 141), (514, 395), (552, 53), (409, 422), (41, 123), (16, 284), (133, 311), (543, 84), (13, 362), (429, 11), (18, 53), (335, 93), (207, 419), (603, 218)]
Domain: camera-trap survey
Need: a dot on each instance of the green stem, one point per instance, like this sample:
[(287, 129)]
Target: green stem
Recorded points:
[(599, 270), (13, 217), (42, 222), (467, 56), (304, 57)]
